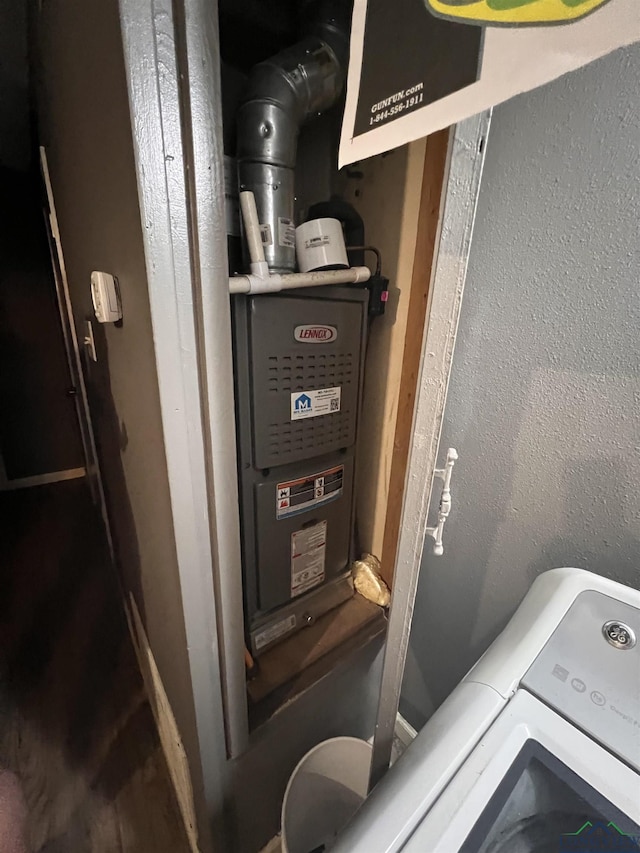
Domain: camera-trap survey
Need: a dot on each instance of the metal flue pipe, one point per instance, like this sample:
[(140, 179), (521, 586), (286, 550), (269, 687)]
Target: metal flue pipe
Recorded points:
[(281, 94)]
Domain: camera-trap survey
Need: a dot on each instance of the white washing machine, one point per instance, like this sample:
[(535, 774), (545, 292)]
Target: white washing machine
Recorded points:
[(538, 749)]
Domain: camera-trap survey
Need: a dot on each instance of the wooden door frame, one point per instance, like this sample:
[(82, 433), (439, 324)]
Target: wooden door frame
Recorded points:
[(433, 178)]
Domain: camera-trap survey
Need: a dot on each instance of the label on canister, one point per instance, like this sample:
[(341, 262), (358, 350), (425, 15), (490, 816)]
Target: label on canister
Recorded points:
[(286, 233), (265, 234)]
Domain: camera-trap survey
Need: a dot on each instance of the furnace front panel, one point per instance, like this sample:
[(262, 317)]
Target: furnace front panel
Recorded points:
[(299, 367)]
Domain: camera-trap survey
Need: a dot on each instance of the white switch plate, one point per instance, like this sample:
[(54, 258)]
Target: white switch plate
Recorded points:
[(105, 294)]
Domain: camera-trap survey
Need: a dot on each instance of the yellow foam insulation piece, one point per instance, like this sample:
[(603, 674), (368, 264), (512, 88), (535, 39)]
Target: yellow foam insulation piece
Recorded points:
[(368, 581)]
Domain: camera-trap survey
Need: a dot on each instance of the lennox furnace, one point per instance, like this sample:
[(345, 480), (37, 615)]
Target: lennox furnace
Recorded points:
[(299, 354), (299, 362)]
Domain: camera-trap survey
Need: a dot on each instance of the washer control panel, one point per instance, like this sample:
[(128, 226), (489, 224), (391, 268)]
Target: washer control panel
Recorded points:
[(620, 636), (589, 671)]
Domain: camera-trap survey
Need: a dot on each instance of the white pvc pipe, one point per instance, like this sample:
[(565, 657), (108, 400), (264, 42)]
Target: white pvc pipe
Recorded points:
[(259, 280), (273, 283), (252, 227)]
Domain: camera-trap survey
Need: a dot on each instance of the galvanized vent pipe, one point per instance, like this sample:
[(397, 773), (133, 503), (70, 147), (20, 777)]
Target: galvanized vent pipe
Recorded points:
[(282, 93)]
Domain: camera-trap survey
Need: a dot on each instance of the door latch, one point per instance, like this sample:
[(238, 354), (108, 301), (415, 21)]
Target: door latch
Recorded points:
[(445, 501)]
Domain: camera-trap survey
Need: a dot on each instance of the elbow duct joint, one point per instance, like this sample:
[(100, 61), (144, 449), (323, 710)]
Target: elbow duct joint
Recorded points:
[(282, 93)]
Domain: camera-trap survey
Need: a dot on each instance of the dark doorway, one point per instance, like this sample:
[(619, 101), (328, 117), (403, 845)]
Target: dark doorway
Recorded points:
[(39, 430)]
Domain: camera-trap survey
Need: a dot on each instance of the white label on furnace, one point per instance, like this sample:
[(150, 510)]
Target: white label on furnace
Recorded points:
[(286, 233), (312, 404), (308, 548), (274, 631)]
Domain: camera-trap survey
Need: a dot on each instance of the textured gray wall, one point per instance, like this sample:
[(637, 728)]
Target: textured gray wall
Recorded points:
[(544, 400)]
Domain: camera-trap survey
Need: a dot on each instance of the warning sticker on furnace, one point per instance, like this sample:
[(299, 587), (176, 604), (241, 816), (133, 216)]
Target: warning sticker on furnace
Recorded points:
[(312, 404), (299, 495), (308, 547)]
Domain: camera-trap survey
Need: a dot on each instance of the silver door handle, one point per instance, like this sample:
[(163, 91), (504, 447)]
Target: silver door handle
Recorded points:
[(445, 501)]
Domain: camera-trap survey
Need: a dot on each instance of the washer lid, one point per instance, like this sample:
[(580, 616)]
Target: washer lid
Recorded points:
[(533, 783), (589, 670)]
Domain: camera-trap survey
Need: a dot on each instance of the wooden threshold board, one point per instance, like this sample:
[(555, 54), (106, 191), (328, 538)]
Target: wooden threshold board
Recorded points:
[(307, 656)]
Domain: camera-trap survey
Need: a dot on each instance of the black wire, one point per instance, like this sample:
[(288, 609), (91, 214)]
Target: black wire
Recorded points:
[(356, 530), (369, 249)]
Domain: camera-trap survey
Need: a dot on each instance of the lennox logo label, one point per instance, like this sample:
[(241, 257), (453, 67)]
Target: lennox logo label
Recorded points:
[(315, 334)]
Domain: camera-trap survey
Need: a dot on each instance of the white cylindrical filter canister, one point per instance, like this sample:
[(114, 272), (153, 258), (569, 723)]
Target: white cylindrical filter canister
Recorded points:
[(320, 245)]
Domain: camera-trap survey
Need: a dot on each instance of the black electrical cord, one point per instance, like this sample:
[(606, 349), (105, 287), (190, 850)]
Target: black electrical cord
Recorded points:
[(369, 249), (356, 531)]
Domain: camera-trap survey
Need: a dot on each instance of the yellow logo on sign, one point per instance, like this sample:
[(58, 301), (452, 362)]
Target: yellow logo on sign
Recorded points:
[(513, 13)]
